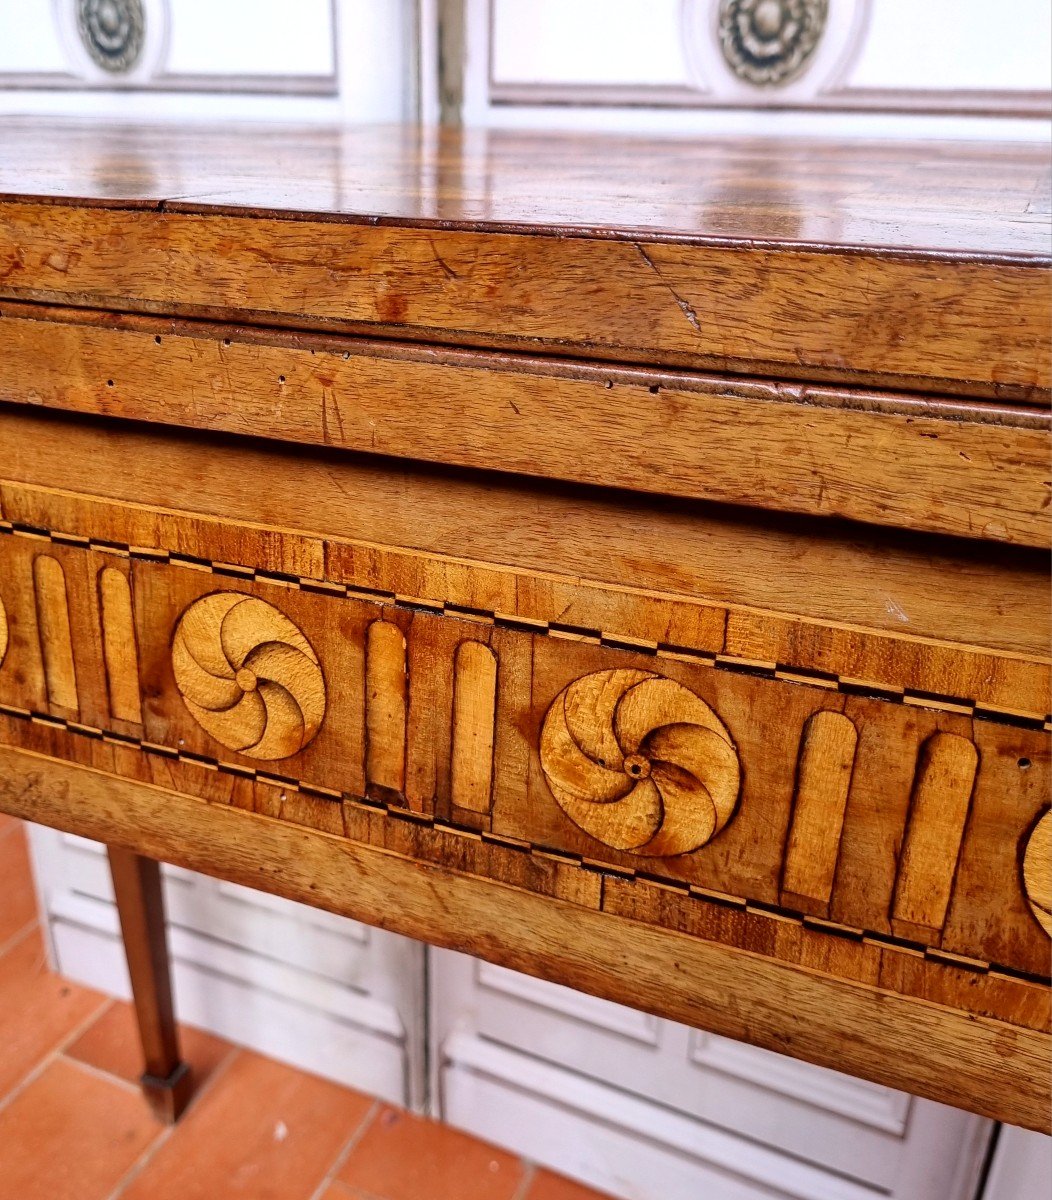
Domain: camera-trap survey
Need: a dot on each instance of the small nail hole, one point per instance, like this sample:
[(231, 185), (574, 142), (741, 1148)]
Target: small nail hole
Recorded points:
[(226, 341), (1024, 764), (109, 383), (654, 389), (281, 379), (157, 339), (609, 383)]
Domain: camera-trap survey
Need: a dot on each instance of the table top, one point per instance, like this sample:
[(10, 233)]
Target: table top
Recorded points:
[(923, 267), (964, 198)]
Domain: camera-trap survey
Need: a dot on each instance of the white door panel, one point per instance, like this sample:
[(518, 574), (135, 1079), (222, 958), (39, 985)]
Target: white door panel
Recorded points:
[(616, 1141), (898, 68), (335, 1037), (321, 992), (867, 1103), (640, 1054), (275, 928), (487, 1020), (1021, 1168), (215, 59)]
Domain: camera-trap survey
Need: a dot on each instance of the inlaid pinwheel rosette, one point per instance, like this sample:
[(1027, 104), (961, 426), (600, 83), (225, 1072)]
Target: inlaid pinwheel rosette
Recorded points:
[(640, 762), (248, 676), (1037, 870)]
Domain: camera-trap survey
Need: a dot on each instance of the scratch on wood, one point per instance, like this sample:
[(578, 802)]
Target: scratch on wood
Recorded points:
[(684, 307)]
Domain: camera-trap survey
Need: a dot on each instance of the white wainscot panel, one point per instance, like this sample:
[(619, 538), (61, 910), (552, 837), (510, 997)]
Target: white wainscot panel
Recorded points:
[(588, 42), (868, 1103), (276, 1010), (29, 40), (620, 1143), (956, 45), (251, 37)]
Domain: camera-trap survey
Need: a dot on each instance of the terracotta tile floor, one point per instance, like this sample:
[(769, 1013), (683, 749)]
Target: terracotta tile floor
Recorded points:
[(73, 1125)]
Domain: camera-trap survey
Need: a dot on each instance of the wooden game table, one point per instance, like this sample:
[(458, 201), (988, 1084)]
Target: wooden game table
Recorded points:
[(622, 559)]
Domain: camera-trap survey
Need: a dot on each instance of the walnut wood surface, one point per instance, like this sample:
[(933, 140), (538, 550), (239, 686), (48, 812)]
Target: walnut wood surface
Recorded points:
[(138, 893), (863, 263), (972, 469), (973, 198), (756, 585)]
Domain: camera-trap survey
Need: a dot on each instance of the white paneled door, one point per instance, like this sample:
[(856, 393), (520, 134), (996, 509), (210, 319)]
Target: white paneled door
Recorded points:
[(651, 1110), (329, 995)]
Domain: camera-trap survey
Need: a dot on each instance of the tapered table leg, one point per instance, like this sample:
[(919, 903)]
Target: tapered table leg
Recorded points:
[(137, 885)]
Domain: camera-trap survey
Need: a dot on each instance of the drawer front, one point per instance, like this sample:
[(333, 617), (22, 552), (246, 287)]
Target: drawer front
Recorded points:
[(968, 469)]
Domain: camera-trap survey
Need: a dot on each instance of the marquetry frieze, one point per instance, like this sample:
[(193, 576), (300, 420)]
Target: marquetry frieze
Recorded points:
[(916, 822)]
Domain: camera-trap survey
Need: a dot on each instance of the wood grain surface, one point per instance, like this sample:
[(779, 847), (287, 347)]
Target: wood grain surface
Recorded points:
[(764, 587), (971, 469), (927, 1048), (938, 285), (976, 198)]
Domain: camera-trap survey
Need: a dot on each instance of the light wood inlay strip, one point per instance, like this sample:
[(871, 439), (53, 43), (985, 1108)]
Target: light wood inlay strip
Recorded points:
[(56, 642), (474, 715), (942, 791), (385, 705), (827, 756), (119, 646)]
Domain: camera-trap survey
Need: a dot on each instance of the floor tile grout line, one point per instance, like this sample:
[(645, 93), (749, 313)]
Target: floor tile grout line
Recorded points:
[(529, 1174), (52, 1055), (167, 1132), (126, 1085), (16, 938), (164, 1133), (348, 1149)]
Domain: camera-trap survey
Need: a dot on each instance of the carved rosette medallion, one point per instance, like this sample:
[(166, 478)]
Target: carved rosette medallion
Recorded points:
[(1037, 872), (248, 675), (113, 32), (640, 762), (768, 43)]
